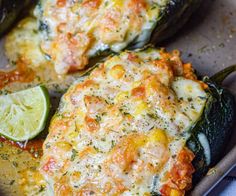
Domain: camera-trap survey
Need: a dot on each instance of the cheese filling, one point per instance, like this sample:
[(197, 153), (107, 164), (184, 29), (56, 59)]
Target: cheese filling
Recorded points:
[(123, 129)]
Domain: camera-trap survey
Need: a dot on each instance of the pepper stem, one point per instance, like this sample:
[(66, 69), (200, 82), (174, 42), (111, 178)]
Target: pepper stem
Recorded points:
[(221, 75)]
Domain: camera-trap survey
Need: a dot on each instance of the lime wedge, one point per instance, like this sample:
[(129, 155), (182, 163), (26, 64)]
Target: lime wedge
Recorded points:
[(23, 114)]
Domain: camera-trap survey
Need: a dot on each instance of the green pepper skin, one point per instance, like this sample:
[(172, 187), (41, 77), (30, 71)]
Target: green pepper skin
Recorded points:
[(171, 19), (9, 11), (216, 123)]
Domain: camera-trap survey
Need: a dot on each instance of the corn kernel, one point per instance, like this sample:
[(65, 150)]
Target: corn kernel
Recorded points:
[(152, 12), (118, 3), (38, 177), (158, 135), (75, 7), (146, 74), (112, 61), (121, 96), (117, 71), (152, 86), (136, 84), (75, 176), (189, 88), (73, 135), (175, 192), (140, 108), (140, 141), (64, 145), (155, 86)]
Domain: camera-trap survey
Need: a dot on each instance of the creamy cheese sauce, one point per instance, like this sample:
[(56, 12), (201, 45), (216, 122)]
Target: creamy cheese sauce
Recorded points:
[(122, 130)]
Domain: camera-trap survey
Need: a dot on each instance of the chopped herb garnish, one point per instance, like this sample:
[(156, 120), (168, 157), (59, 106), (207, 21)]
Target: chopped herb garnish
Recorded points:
[(100, 168), (15, 164), (42, 188), (12, 182), (152, 115), (112, 143), (98, 118), (4, 156), (47, 146), (190, 99), (74, 154)]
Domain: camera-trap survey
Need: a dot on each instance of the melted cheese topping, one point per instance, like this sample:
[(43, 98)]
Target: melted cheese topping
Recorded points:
[(22, 48), (24, 42), (73, 31), (122, 131)]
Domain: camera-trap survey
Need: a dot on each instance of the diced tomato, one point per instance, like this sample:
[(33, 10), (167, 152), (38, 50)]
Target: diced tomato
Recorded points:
[(92, 124), (22, 73), (132, 57), (61, 3), (92, 3), (189, 71), (62, 188), (86, 84), (138, 5), (138, 92), (168, 191), (50, 165), (93, 104), (181, 174), (125, 153)]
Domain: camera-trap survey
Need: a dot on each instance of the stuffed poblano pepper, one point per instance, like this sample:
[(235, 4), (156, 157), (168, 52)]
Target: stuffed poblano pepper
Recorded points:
[(67, 34), (210, 135), (140, 123)]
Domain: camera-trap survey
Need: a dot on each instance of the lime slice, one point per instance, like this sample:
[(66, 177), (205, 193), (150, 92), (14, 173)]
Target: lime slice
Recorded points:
[(23, 114)]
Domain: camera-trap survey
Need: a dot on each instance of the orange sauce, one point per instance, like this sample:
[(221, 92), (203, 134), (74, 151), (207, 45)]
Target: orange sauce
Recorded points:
[(34, 147), (21, 74)]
